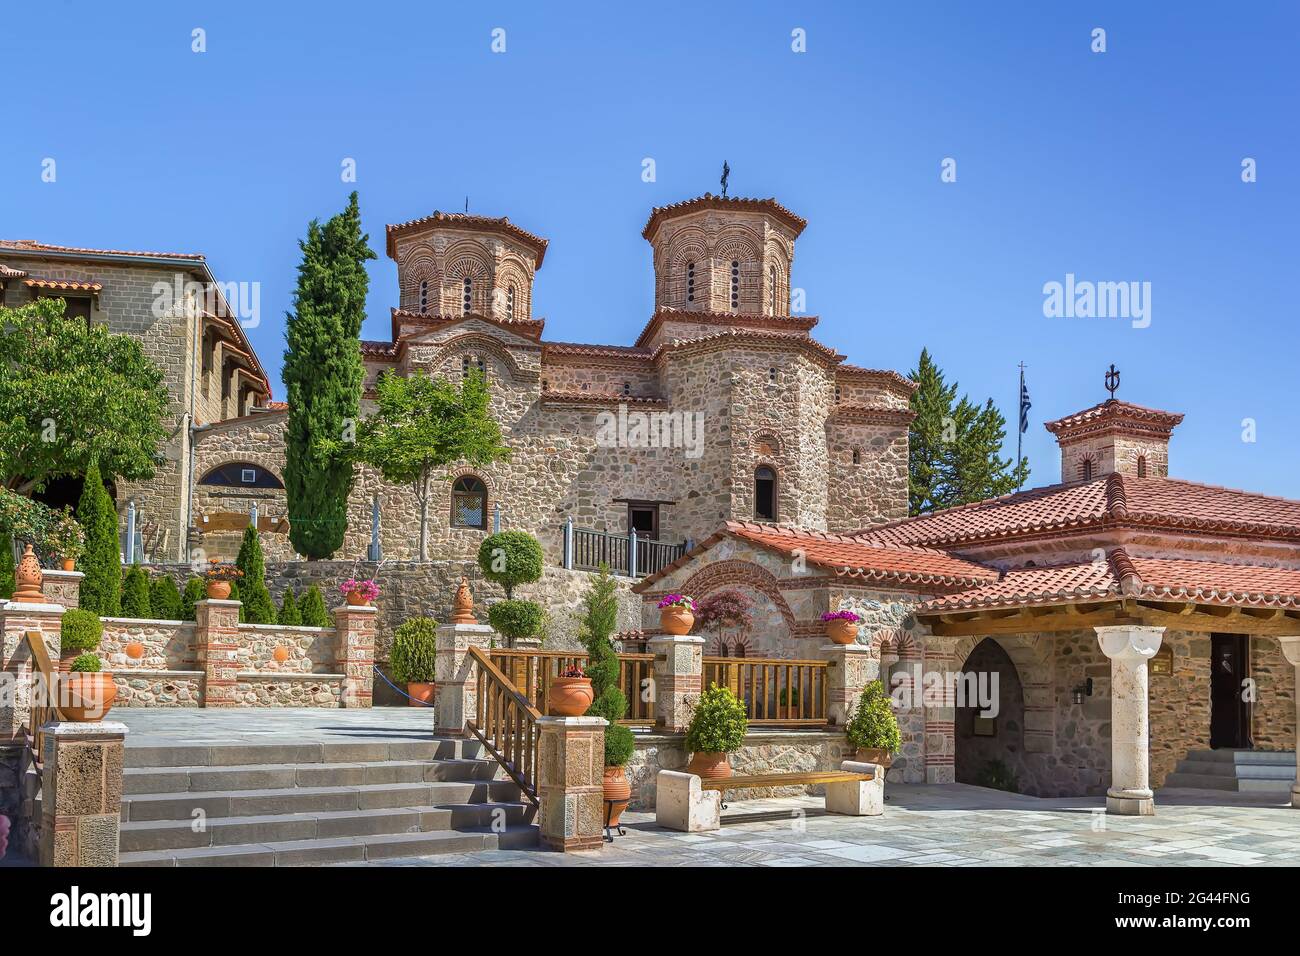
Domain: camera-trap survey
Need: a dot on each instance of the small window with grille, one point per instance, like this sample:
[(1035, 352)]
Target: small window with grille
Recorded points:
[(690, 282), (735, 284)]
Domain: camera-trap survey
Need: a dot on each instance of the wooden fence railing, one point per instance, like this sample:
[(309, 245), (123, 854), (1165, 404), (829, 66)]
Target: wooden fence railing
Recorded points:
[(774, 692), (506, 723), (44, 697), (531, 672)]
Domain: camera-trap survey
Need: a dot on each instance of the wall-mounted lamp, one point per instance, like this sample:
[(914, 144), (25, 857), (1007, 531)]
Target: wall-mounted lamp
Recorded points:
[(1082, 690)]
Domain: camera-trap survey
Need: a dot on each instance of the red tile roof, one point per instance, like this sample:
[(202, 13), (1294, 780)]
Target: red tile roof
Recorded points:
[(528, 328), (64, 285), (623, 353), (730, 203), (884, 377), (8, 273), (726, 320), (31, 245), (1115, 499), (384, 350), (1114, 415), (459, 220)]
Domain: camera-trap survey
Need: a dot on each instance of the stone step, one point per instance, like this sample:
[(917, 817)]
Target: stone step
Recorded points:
[(258, 801), (252, 754), (1244, 757), (1204, 781), (161, 835), (1238, 771), (204, 779), (336, 849)]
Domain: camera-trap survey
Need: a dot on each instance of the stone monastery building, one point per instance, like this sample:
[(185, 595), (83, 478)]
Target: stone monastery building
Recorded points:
[(1133, 619)]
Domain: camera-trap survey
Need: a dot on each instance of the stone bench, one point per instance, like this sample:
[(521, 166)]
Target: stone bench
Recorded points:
[(685, 802)]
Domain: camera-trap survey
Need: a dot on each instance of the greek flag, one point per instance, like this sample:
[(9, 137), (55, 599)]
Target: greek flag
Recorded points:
[(1025, 404)]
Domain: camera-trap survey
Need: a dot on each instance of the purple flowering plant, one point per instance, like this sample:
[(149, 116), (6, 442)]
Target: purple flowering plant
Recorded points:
[(841, 616), (677, 600)]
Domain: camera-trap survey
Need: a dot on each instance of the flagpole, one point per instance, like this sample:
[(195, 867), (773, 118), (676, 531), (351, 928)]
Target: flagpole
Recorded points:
[(1020, 432)]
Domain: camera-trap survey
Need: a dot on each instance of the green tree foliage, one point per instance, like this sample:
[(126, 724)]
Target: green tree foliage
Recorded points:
[(195, 591), (423, 424), (73, 394), (595, 629), (289, 613), (165, 599), (874, 725), (322, 376), (258, 606), (234, 596), (135, 593), (102, 562), (510, 558), (954, 446), (7, 567), (312, 609), (414, 651), (517, 619)]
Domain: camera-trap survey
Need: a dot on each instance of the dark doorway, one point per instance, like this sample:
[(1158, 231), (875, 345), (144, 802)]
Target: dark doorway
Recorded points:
[(765, 494), (644, 519), (1229, 703)]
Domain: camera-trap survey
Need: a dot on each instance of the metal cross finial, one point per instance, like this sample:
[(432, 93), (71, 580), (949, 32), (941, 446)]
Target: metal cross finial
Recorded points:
[(1112, 379), (726, 171)]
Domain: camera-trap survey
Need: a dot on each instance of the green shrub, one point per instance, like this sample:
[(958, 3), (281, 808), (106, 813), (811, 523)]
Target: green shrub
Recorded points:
[(165, 599), (234, 596), (86, 664), (411, 659), (195, 591), (516, 619), (289, 613), (135, 594), (596, 624), (82, 630), (718, 724), (510, 558), (996, 775), (313, 610), (789, 695), (7, 567), (102, 562), (619, 745), (874, 726), (258, 607)]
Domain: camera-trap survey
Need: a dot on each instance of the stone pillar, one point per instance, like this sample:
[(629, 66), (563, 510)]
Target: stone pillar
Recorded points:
[(355, 628), (216, 644), (570, 767), (937, 695), (16, 619), (456, 676), (852, 668), (679, 679), (81, 793), (63, 587), (1129, 648), (1291, 649)]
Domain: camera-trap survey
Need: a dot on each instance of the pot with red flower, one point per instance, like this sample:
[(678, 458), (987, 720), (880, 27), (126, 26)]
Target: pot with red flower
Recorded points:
[(218, 578), (570, 693), (359, 593), (676, 614), (841, 626)]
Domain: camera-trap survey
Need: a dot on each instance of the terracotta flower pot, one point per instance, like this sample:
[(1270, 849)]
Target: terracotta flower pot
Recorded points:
[(568, 696), (357, 599), (134, 650), (69, 564), (874, 755), (841, 631), (676, 620), (420, 694), (618, 790), (218, 590), (709, 765), (86, 697)]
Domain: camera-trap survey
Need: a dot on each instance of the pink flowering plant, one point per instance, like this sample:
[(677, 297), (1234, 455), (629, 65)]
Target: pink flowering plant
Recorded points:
[(841, 616), (677, 600), (367, 588)]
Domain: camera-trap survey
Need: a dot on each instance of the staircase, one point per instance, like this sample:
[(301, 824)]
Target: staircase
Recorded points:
[(1244, 771), (278, 804)]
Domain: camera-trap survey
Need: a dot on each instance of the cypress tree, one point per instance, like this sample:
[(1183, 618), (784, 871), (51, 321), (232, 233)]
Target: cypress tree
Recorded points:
[(102, 561), (313, 610), (135, 594), (195, 591), (258, 607), (234, 596), (7, 567), (165, 599), (322, 374), (289, 613)]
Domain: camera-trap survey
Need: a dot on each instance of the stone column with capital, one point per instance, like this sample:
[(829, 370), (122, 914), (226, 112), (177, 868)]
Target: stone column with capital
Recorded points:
[(852, 667), (455, 674), (1291, 649), (570, 767), (354, 625), (1129, 649), (678, 679), (81, 793), (216, 646)]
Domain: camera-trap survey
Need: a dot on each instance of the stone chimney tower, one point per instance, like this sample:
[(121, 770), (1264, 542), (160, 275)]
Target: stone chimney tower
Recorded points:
[(1114, 436)]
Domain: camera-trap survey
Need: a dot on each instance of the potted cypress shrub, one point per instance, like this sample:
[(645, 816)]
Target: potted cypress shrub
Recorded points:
[(413, 656), (718, 727), (81, 631), (599, 619), (874, 728)]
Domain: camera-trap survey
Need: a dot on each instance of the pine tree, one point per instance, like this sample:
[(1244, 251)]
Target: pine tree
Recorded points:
[(135, 594), (322, 375), (954, 446), (289, 613), (234, 596), (165, 599), (102, 562), (195, 591), (312, 609), (7, 568), (258, 606)]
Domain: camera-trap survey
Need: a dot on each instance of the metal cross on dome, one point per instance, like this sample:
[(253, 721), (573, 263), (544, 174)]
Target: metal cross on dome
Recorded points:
[(1112, 380), (726, 174)]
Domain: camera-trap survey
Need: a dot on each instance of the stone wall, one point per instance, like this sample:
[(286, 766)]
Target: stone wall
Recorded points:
[(1273, 721)]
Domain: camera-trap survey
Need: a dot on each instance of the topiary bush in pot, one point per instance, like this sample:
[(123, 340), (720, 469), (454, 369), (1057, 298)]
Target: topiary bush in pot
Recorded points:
[(718, 727), (413, 657), (82, 631), (517, 619), (874, 728), (510, 558)]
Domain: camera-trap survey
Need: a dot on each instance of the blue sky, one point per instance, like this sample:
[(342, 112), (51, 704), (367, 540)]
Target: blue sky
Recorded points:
[(1119, 166)]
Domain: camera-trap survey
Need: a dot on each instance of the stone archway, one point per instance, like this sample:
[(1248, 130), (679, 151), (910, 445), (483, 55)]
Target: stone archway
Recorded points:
[(990, 751)]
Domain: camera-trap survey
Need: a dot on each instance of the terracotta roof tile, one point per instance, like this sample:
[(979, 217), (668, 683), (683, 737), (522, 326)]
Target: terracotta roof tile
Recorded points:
[(710, 201), (460, 220), (8, 273), (726, 320), (63, 285), (31, 245), (886, 377), (1113, 414), (372, 349)]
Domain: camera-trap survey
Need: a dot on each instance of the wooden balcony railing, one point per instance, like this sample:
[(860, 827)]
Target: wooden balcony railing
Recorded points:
[(531, 671), (775, 692), (43, 697), (506, 723)]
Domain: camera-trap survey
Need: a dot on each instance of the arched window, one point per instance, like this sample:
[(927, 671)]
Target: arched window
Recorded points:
[(1142, 466), (467, 297), (765, 493), (468, 503), (1085, 470), (241, 474), (690, 282), (771, 290), (475, 363), (510, 301), (424, 297), (735, 284)]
